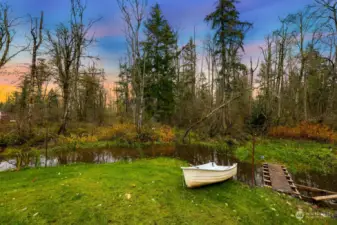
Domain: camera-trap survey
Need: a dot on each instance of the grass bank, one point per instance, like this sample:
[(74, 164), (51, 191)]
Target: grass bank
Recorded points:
[(142, 192), (297, 155)]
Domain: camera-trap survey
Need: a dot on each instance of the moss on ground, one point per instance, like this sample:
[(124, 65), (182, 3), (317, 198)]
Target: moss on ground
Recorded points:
[(142, 192)]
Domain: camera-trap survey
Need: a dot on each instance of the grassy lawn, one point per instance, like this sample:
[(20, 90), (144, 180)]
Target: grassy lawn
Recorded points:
[(142, 192), (296, 155)]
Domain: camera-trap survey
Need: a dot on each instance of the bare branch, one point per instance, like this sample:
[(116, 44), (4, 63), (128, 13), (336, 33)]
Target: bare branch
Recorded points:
[(7, 34)]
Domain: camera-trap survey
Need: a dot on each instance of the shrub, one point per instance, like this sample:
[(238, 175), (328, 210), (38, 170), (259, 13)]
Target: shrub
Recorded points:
[(117, 132), (11, 139), (24, 156), (164, 134), (128, 133), (73, 141), (305, 130)]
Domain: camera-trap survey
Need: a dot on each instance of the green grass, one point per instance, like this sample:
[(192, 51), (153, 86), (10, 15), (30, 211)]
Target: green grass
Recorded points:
[(298, 156), (98, 194)]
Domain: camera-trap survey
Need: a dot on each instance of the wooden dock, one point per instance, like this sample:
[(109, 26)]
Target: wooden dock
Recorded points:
[(279, 179)]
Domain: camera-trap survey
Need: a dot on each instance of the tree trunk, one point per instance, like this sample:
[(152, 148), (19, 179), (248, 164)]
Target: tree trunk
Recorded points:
[(36, 33), (141, 103), (66, 102), (305, 99)]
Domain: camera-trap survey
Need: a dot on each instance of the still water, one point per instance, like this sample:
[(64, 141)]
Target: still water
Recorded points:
[(192, 154)]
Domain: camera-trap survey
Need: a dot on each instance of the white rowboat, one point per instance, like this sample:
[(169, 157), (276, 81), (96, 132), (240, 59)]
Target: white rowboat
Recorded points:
[(209, 173)]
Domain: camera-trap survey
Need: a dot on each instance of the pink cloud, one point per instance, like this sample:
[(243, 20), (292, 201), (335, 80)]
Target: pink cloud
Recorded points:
[(101, 31), (108, 27), (12, 73), (252, 50)]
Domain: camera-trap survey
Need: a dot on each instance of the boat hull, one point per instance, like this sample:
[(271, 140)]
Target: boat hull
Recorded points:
[(197, 178)]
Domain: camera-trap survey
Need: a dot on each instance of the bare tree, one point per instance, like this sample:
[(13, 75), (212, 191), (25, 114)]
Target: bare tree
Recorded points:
[(133, 14), (282, 36), (328, 10), (7, 34), (211, 65), (37, 38), (82, 40), (252, 71), (67, 48), (63, 54), (267, 76), (303, 22)]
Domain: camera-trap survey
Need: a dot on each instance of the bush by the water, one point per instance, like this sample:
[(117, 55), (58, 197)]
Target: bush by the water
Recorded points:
[(305, 130), (125, 133)]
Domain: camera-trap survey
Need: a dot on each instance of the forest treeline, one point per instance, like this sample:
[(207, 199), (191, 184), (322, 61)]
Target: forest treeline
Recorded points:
[(293, 80), (160, 81)]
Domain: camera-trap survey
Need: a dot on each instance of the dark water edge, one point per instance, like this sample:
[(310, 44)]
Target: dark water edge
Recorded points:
[(193, 154)]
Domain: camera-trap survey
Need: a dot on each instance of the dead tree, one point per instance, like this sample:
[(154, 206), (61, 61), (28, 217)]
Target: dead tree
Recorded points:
[(82, 40), (67, 48), (282, 36), (211, 65), (303, 22), (62, 50), (7, 34), (133, 12), (37, 38), (252, 71), (267, 86), (328, 10)]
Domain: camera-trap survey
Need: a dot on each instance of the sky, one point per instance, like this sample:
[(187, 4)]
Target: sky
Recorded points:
[(183, 15)]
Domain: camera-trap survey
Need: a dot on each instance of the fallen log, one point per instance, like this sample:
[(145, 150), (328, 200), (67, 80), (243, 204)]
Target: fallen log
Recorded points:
[(326, 197), (207, 116)]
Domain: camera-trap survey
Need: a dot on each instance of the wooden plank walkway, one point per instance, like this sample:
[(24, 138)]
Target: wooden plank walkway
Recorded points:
[(315, 190), (326, 197), (278, 178)]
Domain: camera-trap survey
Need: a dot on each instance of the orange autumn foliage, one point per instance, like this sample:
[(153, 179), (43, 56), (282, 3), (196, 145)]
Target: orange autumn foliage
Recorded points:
[(165, 134), (305, 130)]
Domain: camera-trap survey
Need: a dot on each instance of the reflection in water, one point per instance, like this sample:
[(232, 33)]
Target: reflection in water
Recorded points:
[(193, 154), (317, 180)]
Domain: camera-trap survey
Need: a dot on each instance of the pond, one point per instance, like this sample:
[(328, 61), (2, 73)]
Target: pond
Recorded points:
[(192, 154)]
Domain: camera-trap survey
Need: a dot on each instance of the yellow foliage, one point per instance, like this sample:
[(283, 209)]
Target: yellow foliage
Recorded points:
[(305, 130), (128, 132), (73, 139), (165, 134), (118, 131), (124, 133)]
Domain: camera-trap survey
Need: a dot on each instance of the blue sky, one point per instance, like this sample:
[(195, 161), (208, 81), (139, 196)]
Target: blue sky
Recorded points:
[(183, 15)]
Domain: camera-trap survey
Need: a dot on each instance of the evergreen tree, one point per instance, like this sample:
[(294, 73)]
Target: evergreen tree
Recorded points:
[(229, 30), (159, 47), (228, 37)]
